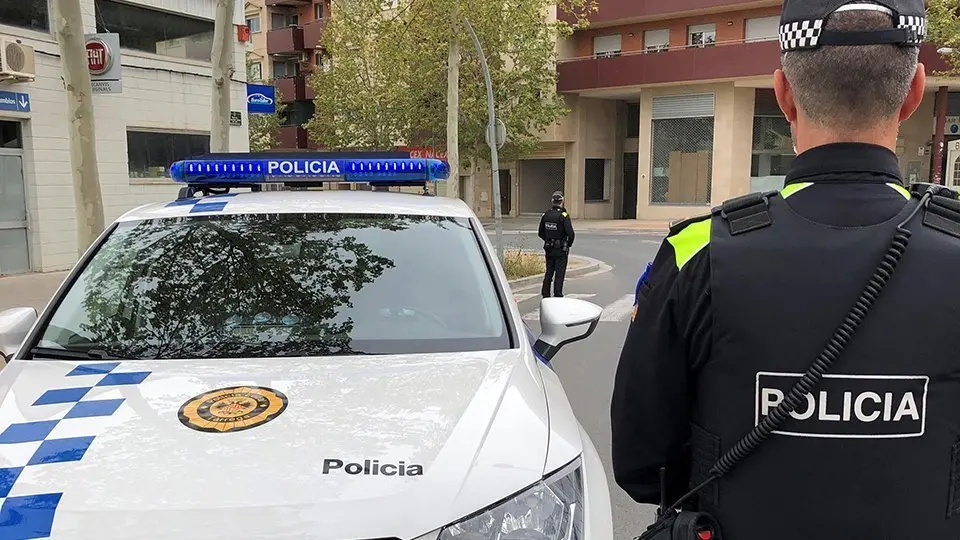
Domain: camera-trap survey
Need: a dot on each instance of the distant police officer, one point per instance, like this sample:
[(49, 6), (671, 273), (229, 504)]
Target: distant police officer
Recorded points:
[(739, 303), (557, 234)]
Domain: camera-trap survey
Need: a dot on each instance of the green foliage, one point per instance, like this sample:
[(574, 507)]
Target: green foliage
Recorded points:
[(387, 82), (265, 128), (943, 29)]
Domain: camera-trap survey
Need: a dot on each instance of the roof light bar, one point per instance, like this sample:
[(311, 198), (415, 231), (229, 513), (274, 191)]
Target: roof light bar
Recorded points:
[(261, 170)]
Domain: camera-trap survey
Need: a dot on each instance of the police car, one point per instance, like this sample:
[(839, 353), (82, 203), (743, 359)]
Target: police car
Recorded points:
[(294, 364)]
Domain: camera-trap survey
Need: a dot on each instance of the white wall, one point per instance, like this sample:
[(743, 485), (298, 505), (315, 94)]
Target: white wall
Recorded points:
[(159, 93)]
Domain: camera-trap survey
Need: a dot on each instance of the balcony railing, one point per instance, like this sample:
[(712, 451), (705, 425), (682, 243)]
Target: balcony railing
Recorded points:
[(291, 88), (292, 137), (287, 3), (287, 40), (723, 61), (610, 11), (313, 32)]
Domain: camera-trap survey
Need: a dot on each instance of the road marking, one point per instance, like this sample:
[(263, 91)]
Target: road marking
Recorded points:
[(619, 310), (523, 296), (535, 314)]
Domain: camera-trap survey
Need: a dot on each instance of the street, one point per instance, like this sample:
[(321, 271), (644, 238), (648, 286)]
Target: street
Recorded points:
[(587, 367)]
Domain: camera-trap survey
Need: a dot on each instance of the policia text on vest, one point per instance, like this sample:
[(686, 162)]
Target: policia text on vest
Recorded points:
[(557, 234)]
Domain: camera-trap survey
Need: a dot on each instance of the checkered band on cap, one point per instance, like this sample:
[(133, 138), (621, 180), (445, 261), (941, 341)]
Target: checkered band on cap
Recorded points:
[(917, 24), (800, 35)]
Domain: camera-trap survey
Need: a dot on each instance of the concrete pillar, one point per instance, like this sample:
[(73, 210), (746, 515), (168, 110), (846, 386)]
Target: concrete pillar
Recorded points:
[(732, 143), (941, 118)]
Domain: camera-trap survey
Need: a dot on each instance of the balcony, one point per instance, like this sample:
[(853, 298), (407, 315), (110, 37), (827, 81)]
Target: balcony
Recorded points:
[(291, 88), (624, 11), (288, 3), (724, 61), (292, 137), (313, 33), (285, 41), (679, 65)]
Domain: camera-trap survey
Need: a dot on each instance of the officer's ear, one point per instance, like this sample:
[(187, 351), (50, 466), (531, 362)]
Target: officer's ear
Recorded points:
[(781, 87), (915, 94)]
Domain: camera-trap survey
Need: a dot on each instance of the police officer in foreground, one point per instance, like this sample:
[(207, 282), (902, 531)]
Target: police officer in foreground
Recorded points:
[(556, 231), (789, 355)]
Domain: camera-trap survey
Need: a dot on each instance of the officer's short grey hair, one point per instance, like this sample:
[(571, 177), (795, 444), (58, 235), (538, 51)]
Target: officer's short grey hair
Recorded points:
[(851, 88)]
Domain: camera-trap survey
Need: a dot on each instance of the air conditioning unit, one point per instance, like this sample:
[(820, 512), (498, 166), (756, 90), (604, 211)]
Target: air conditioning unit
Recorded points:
[(17, 61)]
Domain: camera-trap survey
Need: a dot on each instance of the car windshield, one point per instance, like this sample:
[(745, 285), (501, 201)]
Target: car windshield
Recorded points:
[(235, 286)]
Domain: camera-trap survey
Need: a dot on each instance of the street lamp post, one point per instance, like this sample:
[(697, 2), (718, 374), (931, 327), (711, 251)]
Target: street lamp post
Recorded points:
[(492, 141)]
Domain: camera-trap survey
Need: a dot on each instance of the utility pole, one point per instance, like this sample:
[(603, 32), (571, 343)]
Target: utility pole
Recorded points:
[(68, 26), (492, 141), (453, 109), (223, 69)]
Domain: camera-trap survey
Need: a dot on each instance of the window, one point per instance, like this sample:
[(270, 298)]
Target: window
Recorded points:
[(772, 152), (702, 35), (606, 46), (10, 135), (253, 23), (297, 113), (682, 149), (318, 11), (284, 68), (633, 120), (254, 71), (156, 32), (762, 29), (30, 14), (656, 41), (150, 153), (279, 21), (363, 284), (594, 180)]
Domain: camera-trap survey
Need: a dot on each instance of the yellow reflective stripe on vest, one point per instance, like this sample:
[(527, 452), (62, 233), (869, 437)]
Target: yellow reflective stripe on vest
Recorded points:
[(690, 241), (793, 188), (900, 189)]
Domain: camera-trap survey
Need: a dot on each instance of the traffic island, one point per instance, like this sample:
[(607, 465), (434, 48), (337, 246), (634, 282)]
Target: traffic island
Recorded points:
[(528, 261)]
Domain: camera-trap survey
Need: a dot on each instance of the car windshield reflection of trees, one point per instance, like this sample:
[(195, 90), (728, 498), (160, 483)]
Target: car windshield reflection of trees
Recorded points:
[(250, 286)]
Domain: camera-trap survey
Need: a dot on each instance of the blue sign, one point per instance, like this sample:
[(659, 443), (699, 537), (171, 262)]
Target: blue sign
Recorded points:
[(261, 99), (14, 101)]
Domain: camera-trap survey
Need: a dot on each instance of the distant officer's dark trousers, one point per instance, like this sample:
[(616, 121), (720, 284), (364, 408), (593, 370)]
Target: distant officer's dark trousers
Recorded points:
[(556, 271)]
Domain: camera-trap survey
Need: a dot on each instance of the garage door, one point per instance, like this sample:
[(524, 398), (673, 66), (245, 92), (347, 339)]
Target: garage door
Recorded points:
[(539, 178)]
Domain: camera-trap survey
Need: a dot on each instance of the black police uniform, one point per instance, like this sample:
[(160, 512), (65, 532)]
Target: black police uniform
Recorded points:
[(737, 304), (557, 234)]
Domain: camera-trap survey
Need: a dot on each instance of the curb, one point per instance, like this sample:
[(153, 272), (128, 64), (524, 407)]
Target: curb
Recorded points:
[(591, 265)]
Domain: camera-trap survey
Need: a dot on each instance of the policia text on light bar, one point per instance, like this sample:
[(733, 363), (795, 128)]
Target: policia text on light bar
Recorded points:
[(255, 170)]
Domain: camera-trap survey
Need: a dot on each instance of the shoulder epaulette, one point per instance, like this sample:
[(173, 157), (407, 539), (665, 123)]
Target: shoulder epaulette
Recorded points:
[(678, 226)]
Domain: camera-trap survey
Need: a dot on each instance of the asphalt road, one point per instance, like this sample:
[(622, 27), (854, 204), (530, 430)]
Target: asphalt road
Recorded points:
[(587, 367)]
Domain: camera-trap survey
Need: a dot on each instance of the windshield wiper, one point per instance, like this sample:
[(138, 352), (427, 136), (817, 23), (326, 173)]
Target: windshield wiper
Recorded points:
[(93, 353)]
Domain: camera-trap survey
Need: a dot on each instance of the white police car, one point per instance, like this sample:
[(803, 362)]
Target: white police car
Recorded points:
[(322, 365)]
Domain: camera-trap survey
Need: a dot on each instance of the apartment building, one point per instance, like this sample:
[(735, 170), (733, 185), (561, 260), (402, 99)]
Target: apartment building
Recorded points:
[(673, 112), (161, 115), (285, 47)]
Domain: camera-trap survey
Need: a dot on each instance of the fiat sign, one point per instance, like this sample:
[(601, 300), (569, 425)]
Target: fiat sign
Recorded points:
[(103, 60)]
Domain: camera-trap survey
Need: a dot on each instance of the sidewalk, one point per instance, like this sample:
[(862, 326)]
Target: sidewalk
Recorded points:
[(530, 223), (29, 290)]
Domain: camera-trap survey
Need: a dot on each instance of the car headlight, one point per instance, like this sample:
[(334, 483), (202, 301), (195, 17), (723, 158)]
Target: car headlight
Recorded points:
[(550, 510)]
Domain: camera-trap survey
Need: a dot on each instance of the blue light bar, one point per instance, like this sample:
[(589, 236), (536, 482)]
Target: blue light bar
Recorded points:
[(288, 170)]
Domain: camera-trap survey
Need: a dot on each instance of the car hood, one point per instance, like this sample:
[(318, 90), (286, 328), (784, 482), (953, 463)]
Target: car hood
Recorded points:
[(342, 448)]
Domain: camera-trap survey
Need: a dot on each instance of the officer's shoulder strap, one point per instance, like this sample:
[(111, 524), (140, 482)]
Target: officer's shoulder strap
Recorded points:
[(943, 210), (746, 213)]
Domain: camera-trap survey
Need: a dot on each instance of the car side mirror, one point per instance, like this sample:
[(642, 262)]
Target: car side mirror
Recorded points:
[(564, 321), (15, 324)]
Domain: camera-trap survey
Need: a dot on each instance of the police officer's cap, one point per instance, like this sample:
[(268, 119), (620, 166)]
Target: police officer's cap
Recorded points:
[(557, 196), (802, 22)]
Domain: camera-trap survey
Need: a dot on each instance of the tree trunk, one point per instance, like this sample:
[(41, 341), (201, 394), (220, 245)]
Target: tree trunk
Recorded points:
[(453, 111), (223, 69), (68, 26)]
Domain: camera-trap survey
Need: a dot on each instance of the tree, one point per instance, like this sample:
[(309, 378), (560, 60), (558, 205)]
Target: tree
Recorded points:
[(265, 128), (68, 24), (943, 28), (388, 79)]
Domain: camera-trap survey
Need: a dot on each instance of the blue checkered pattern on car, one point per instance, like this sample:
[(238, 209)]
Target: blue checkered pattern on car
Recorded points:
[(31, 516), (213, 203)]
